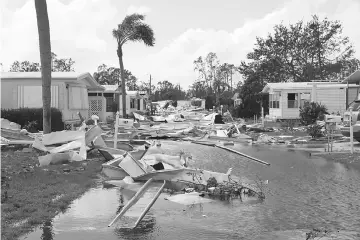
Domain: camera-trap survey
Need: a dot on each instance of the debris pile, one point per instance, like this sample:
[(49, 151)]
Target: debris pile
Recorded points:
[(56, 147)]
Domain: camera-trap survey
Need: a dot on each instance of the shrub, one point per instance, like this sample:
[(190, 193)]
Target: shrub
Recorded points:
[(314, 130), (312, 111), (32, 118), (289, 124), (196, 103)]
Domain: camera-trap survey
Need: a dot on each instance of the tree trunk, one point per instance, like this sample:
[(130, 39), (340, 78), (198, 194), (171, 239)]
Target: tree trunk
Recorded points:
[(45, 58), (123, 87)]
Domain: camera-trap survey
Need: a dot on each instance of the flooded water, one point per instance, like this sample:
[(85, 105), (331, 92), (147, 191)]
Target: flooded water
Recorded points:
[(302, 193)]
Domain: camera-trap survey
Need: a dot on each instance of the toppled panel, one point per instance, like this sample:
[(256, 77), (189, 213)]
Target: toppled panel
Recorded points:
[(131, 166), (62, 137)]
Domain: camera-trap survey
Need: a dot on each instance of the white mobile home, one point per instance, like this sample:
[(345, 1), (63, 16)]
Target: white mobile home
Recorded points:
[(285, 99), (69, 92)]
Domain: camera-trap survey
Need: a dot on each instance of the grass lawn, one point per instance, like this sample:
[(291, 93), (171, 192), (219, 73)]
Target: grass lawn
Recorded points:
[(349, 159), (35, 195)]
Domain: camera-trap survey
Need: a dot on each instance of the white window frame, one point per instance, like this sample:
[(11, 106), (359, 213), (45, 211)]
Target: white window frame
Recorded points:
[(23, 90), (132, 103), (84, 100), (296, 101), (303, 99), (274, 100)]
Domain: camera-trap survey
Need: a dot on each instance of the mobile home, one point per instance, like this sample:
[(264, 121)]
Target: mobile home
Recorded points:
[(69, 92), (285, 99)]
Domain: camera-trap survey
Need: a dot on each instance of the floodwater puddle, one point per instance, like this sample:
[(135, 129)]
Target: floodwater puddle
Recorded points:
[(302, 193)]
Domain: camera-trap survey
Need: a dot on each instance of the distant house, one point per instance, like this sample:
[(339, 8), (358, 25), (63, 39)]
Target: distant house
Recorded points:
[(135, 101), (237, 99), (69, 92), (285, 99), (106, 103), (103, 103)]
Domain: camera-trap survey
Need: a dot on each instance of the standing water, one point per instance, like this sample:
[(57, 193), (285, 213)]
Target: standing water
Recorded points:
[(302, 193)]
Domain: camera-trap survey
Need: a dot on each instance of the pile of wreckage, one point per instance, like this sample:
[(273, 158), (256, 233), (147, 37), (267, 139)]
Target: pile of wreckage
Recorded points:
[(189, 125), (127, 166)]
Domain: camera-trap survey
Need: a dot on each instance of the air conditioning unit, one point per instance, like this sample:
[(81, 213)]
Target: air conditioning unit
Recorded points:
[(332, 119)]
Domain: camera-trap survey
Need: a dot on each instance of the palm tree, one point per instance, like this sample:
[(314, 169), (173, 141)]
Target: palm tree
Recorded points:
[(132, 29), (45, 59)]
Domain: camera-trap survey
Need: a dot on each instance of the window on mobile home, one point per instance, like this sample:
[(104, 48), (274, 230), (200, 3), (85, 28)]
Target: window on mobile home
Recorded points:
[(31, 96), (132, 102), (274, 100), (78, 98), (304, 97), (293, 100), (110, 102)]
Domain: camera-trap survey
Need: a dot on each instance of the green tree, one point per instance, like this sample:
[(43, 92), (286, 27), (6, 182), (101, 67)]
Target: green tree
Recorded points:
[(132, 29), (145, 86), (299, 52), (111, 76), (62, 64), (57, 65), (197, 89), (167, 91), (302, 52), (216, 78), (25, 66), (45, 59)]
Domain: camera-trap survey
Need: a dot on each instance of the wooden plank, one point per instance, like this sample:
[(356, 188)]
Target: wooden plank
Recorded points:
[(242, 154), (150, 204), (132, 201)]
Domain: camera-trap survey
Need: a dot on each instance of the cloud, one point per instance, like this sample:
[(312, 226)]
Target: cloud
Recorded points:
[(74, 28), (81, 29), (141, 10), (174, 61)]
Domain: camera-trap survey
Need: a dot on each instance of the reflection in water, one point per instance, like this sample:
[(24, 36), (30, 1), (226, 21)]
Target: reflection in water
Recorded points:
[(142, 231), (47, 230), (121, 203)]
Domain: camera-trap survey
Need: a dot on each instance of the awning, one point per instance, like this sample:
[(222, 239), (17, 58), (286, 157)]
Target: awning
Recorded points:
[(353, 78)]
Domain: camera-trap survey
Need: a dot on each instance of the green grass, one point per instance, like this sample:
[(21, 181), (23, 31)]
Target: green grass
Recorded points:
[(348, 159), (35, 194)]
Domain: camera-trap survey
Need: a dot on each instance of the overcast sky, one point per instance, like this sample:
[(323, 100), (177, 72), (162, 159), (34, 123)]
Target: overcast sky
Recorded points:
[(184, 30)]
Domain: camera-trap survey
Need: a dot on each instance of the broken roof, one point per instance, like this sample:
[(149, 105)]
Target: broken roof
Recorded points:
[(353, 78)]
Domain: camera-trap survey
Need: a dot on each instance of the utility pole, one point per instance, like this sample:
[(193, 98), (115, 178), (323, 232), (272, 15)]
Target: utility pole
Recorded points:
[(151, 110)]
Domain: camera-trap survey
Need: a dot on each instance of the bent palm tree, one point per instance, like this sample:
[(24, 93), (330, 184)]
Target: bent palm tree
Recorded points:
[(132, 29), (45, 58)]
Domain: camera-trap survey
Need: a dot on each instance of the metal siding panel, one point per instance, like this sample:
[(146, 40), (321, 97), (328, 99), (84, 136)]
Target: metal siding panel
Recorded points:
[(62, 98), (20, 96), (54, 97)]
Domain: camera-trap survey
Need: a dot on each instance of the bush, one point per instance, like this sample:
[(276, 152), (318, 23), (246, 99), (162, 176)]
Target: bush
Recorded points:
[(196, 103), (32, 118), (314, 130), (312, 111)]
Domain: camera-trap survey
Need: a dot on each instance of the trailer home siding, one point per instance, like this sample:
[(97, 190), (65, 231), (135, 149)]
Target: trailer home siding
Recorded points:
[(292, 96), (69, 92), (333, 98)]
